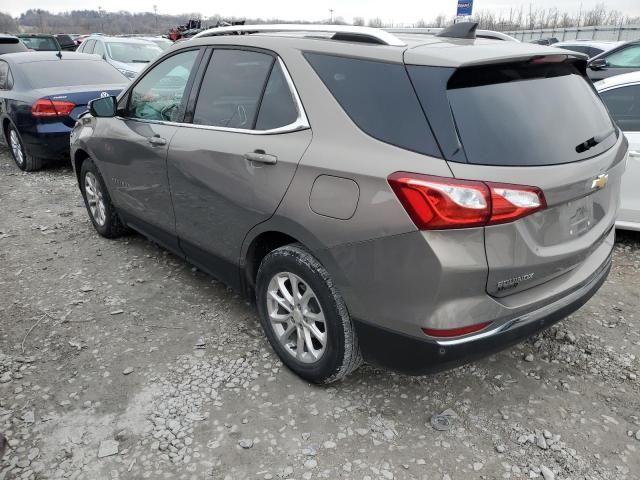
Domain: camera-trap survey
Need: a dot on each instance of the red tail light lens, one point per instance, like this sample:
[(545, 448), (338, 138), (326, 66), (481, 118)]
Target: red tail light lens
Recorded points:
[(436, 203), (44, 107), (455, 332)]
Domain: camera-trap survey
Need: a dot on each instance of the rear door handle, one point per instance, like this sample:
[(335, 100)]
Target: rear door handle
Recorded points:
[(634, 153), (260, 157), (157, 141)]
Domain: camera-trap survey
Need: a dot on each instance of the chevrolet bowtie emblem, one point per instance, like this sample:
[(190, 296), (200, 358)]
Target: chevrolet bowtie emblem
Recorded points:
[(600, 181)]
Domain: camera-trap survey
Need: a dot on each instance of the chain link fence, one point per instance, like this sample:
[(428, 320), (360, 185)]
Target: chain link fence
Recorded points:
[(619, 33)]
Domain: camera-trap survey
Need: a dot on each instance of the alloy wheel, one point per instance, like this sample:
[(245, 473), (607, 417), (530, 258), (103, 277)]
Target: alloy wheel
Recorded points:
[(95, 199), (16, 147), (296, 317)]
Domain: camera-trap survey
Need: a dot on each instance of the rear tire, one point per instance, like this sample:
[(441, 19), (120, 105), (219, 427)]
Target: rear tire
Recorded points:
[(24, 161), (101, 210), (307, 306)]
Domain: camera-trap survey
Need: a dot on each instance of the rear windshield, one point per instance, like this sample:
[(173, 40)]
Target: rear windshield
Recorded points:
[(58, 73), (133, 52), (524, 114), (40, 43)]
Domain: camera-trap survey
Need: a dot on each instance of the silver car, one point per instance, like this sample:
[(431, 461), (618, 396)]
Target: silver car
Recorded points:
[(621, 94), (411, 201), (129, 55)]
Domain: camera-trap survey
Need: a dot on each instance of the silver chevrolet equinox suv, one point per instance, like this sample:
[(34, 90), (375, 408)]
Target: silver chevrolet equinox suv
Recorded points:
[(411, 201)]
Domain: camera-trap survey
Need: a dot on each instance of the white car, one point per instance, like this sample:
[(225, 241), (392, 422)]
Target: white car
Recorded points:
[(621, 94), (129, 55), (590, 48)]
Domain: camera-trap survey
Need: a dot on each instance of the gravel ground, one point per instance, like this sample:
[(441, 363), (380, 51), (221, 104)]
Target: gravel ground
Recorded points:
[(120, 360)]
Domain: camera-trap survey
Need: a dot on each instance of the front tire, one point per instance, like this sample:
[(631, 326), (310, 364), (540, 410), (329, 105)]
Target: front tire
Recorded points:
[(24, 161), (101, 211), (304, 317)]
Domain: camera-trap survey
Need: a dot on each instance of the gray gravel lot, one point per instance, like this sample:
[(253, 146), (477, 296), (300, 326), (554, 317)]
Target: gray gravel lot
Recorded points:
[(120, 360)]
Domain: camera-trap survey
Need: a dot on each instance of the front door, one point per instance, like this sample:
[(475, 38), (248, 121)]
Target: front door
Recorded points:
[(623, 103), (133, 147), (621, 60), (230, 169)]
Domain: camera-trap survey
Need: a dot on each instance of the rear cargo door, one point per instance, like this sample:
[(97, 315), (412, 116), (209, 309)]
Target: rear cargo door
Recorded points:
[(538, 123)]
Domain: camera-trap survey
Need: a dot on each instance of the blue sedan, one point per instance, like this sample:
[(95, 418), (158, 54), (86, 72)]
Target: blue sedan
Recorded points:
[(41, 96)]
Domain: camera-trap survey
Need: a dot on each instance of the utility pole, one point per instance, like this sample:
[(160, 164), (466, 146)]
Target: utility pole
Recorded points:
[(155, 11), (331, 11)]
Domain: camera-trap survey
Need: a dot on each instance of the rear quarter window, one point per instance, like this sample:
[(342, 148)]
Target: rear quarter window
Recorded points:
[(379, 99)]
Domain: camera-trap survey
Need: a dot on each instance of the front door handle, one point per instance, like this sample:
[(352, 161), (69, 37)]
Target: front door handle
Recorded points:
[(634, 153), (260, 157), (157, 140)]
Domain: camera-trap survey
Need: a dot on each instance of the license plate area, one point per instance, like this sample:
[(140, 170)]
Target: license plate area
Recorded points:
[(578, 217)]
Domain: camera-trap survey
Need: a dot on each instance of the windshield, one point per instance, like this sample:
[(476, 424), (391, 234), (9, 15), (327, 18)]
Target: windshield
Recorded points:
[(71, 73), (163, 43), (133, 52), (40, 43)]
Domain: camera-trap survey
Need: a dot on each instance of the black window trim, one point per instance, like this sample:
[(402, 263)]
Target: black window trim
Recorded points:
[(301, 123)]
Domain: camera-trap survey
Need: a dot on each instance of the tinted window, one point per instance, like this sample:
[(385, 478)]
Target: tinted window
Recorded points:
[(65, 41), (624, 105), (576, 48), (232, 88), (40, 43), (61, 73), (628, 57), (593, 51), (524, 114), (4, 76), (12, 47), (379, 98), (98, 49), (158, 95), (278, 107)]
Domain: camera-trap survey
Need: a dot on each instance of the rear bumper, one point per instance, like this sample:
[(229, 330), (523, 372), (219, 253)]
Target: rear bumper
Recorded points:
[(50, 141), (414, 356)]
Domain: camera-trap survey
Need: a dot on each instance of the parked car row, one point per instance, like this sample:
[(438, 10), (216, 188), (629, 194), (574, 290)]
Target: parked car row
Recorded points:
[(390, 205)]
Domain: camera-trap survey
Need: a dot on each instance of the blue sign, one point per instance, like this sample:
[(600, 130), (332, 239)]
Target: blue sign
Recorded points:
[(464, 8)]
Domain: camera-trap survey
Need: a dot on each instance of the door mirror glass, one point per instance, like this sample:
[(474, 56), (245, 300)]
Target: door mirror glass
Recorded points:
[(103, 107), (598, 64)]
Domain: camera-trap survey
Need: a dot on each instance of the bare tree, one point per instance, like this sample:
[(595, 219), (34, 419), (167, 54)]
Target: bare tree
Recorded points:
[(358, 21), (375, 22)]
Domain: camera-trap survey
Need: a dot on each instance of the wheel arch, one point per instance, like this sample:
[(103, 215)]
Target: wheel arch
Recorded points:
[(79, 156)]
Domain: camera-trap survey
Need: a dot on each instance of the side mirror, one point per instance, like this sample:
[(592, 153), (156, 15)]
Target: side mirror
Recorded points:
[(103, 107), (598, 64)]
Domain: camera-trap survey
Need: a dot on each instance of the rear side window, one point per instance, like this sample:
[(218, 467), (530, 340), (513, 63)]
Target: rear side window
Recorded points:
[(379, 98), (523, 113), (278, 108), (231, 89), (624, 105)]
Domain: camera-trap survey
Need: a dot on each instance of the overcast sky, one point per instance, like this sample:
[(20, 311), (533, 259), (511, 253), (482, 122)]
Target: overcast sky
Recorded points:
[(389, 10)]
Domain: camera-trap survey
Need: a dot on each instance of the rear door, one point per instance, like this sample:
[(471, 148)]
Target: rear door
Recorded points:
[(624, 104), (231, 167), (537, 123)]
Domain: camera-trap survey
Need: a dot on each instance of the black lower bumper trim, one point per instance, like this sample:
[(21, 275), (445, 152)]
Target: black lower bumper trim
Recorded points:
[(414, 356)]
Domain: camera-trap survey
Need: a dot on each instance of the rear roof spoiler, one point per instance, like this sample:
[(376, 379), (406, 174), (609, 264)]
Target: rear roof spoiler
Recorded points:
[(466, 30)]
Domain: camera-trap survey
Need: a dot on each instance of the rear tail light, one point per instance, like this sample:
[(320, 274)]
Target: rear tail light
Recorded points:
[(435, 203), (455, 332), (44, 107)]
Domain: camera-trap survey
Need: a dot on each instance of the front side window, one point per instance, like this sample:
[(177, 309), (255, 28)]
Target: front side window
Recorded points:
[(231, 89), (158, 95), (87, 47), (624, 105), (628, 57), (99, 48)]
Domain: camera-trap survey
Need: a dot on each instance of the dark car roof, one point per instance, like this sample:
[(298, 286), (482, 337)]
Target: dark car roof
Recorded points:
[(29, 57), (36, 35)]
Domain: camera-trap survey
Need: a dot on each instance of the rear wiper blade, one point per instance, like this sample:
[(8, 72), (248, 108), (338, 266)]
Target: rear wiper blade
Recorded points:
[(595, 140)]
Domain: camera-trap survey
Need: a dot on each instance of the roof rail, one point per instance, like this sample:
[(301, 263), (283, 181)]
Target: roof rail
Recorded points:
[(490, 34), (341, 32)]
